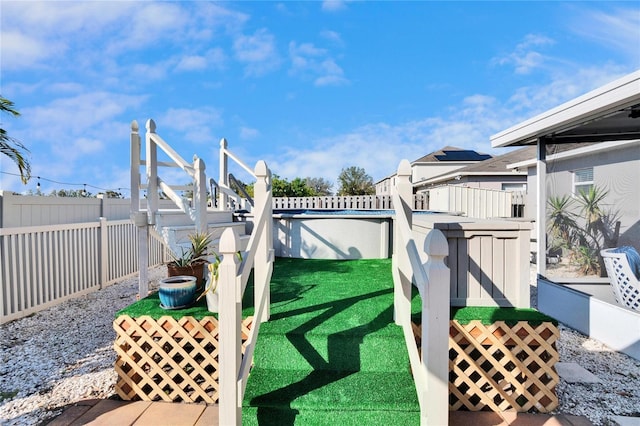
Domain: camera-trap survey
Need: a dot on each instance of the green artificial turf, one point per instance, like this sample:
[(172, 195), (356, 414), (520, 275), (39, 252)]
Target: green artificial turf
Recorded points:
[(489, 315), (150, 306), (330, 353)]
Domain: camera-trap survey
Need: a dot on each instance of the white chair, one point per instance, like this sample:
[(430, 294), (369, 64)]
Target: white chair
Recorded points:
[(625, 284)]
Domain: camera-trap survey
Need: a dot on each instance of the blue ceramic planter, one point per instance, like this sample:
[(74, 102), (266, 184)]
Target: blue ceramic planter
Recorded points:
[(177, 292)]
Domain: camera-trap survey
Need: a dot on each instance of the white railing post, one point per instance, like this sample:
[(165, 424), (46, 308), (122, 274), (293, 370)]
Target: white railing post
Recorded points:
[(402, 292), (435, 329), (200, 195), (135, 168), (140, 219), (230, 317), (223, 178), (262, 190), (151, 158)]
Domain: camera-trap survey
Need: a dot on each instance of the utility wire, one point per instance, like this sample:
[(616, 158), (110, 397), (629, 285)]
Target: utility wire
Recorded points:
[(68, 183)]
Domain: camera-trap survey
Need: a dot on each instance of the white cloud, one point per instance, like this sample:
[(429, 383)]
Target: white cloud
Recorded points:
[(193, 125), (152, 24), (311, 62), (333, 5), (332, 36), (20, 50), (618, 29), (258, 52), (248, 133), (566, 85), (525, 58), (192, 63)]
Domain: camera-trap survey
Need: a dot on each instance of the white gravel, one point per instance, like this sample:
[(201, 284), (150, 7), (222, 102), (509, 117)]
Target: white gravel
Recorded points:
[(65, 354)]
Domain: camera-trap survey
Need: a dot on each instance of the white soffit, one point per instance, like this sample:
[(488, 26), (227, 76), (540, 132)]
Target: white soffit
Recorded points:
[(603, 114)]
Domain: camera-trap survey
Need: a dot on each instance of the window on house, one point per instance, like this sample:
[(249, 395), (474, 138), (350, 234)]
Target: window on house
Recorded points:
[(582, 180), (514, 187)]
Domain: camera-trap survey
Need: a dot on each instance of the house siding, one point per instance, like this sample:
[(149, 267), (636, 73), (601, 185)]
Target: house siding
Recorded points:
[(617, 170)]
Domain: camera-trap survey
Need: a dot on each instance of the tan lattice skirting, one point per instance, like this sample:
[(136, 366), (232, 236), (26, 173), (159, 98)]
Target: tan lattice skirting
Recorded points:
[(502, 367), (168, 359)]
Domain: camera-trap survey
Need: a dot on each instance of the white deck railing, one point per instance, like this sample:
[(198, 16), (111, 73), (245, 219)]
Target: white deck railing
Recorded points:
[(196, 208), (225, 193), (430, 368), (233, 365), (43, 266)]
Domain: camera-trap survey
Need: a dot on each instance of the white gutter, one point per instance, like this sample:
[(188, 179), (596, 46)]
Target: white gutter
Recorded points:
[(619, 94), (451, 176)]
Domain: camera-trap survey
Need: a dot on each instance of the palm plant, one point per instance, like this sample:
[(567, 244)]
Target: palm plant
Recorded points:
[(584, 233), (590, 208), (11, 147), (561, 221)]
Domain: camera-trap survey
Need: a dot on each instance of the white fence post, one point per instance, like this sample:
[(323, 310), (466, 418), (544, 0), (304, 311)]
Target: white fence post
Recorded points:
[(230, 313), (104, 252), (262, 262), (402, 292), (200, 195), (135, 168), (435, 328)]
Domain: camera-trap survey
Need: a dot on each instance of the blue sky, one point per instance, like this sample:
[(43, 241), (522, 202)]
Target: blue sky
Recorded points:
[(309, 87)]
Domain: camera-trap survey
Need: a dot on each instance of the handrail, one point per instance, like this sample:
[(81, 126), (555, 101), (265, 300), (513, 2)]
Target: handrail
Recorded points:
[(233, 275), (232, 179), (225, 176), (432, 280), (162, 144), (181, 202), (237, 160)]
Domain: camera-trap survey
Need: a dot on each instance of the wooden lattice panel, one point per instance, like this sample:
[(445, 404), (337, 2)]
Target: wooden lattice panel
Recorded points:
[(503, 367), (169, 359)]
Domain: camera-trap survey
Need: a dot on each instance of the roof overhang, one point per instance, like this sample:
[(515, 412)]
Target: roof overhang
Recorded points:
[(609, 113), (458, 175), (590, 149)]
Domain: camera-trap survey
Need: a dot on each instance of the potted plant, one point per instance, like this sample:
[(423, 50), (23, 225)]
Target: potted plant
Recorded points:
[(193, 260), (211, 287)]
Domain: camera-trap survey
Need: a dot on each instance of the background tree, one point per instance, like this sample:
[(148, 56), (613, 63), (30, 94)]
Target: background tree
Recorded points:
[(298, 188), (113, 194), (281, 187), (80, 193), (11, 147), (319, 186), (355, 181)]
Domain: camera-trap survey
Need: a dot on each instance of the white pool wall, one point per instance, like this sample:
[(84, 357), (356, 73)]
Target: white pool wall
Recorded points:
[(320, 236)]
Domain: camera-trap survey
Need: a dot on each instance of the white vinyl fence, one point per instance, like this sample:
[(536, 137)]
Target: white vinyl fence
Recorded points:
[(42, 266), (474, 202), (471, 202), (347, 202), (37, 210)]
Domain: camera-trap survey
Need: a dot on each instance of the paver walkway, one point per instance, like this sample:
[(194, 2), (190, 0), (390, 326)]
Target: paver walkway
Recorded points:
[(108, 412)]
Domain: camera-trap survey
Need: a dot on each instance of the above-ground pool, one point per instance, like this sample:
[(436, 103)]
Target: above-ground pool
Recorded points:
[(333, 234)]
